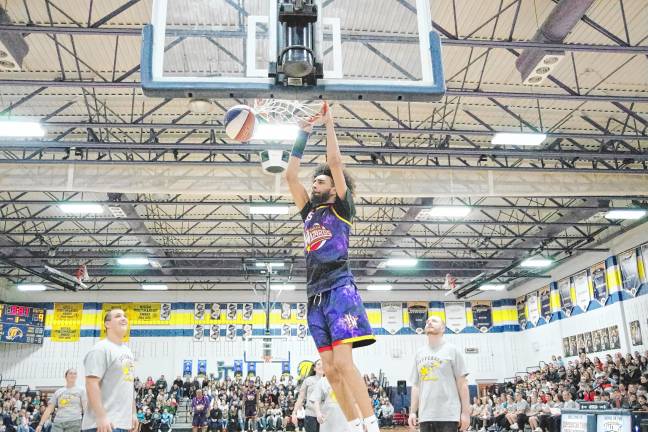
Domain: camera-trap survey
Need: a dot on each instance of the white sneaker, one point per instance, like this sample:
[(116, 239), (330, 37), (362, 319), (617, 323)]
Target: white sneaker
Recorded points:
[(514, 427), (538, 429)]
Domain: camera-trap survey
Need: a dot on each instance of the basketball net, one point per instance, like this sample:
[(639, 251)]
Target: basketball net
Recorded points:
[(286, 111), (450, 282)]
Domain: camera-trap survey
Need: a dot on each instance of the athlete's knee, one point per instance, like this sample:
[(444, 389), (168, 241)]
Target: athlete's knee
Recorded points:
[(331, 371), (344, 366)]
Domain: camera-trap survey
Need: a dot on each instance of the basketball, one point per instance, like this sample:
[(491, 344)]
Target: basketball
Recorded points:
[(239, 123)]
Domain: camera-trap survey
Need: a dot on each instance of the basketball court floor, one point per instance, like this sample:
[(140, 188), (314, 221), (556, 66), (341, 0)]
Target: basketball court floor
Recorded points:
[(499, 152)]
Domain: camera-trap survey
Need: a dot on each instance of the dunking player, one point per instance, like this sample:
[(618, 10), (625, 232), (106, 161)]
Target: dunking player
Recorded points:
[(336, 317)]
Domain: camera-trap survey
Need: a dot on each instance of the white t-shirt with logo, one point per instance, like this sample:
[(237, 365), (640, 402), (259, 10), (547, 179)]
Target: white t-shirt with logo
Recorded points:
[(69, 403), (114, 365), (435, 372)]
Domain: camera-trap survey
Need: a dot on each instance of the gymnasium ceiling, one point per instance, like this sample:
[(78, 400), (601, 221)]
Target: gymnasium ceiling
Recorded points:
[(106, 143)]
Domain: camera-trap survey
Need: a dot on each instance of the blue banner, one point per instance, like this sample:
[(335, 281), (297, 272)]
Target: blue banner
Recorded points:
[(238, 367), (285, 367), (202, 367), (251, 369), (187, 368)]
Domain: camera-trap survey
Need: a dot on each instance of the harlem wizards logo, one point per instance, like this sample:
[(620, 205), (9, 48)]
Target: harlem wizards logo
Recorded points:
[(14, 333), (316, 236)]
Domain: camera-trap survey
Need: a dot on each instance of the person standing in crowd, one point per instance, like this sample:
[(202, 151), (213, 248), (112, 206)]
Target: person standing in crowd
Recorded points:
[(199, 408), (68, 402), (306, 388), (109, 380), (440, 400)]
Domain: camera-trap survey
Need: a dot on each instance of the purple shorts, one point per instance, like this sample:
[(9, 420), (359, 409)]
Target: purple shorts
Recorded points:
[(337, 316)]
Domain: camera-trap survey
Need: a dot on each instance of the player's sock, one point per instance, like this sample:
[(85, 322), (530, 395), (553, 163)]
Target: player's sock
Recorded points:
[(356, 425), (371, 423)]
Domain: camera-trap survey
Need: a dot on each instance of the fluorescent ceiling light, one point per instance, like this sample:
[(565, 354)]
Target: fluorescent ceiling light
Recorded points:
[(154, 287), (284, 287), (400, 262), (523, 139), (625, 214), (536, 262), (31, 287), (379, 287), (445, 211), (9, 128), (275, 132), (81, 208), (269, 210), (133, 261), (492, 287), (272, 264)]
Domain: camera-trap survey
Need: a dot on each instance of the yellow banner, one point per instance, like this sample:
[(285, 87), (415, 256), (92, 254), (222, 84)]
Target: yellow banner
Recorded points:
[(147, 314), (105, 308), (66, 326), (68, 311)]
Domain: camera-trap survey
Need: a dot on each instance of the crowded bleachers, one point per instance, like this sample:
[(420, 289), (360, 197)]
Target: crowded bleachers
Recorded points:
[(536, 399), (533, 401)]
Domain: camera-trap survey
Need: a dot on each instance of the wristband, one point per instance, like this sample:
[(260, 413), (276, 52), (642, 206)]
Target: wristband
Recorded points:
[(300, 144)]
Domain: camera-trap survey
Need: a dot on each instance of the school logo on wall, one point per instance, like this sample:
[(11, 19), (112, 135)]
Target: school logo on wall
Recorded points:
[(14, 333)]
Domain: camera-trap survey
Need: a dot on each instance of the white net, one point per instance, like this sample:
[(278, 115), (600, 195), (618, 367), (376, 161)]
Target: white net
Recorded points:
[(286, 111)]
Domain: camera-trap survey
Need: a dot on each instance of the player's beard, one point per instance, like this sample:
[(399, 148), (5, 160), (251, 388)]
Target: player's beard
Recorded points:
[(318, 198)]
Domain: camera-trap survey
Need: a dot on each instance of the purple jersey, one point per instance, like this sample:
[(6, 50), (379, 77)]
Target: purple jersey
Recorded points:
[(326, 243)]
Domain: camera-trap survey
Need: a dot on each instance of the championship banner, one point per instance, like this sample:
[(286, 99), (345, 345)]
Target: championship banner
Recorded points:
[(285, 330), (230, 332), (635, 333), (564, 288), (231, 311), (165, 311), (533, 308), (214, 333), (105, 308), (520, 304), (418, 315), (215, 311), (198, 333), (302, 330), (202, 368), (482, 315), (187, 368), (301, 311), (581, 289), (286, 310), (629, 271), (615, 342), (248, 311), (545, 303), (598, 282), (391, 315), (246, 330), (66, 326), (455, 313), (199, 311), (146, 314)]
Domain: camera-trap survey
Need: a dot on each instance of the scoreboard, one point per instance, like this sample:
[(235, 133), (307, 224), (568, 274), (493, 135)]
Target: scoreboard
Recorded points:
[(21, 324)]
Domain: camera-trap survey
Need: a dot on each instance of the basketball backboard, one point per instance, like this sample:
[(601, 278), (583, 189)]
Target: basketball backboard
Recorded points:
[(368, 49)]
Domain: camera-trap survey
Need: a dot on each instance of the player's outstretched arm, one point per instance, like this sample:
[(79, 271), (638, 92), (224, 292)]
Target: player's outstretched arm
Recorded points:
[(333, 155), (297, 190)]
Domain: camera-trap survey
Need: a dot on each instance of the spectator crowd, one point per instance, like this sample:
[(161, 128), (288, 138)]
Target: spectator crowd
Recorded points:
[(250, 404), (537, 399)]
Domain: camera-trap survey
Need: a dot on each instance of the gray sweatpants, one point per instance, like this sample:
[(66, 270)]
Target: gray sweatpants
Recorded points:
[(67, 426)]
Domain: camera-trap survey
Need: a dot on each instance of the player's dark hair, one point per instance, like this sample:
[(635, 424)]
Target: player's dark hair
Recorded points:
[(68, 371), (108, 315), (324, 169)]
